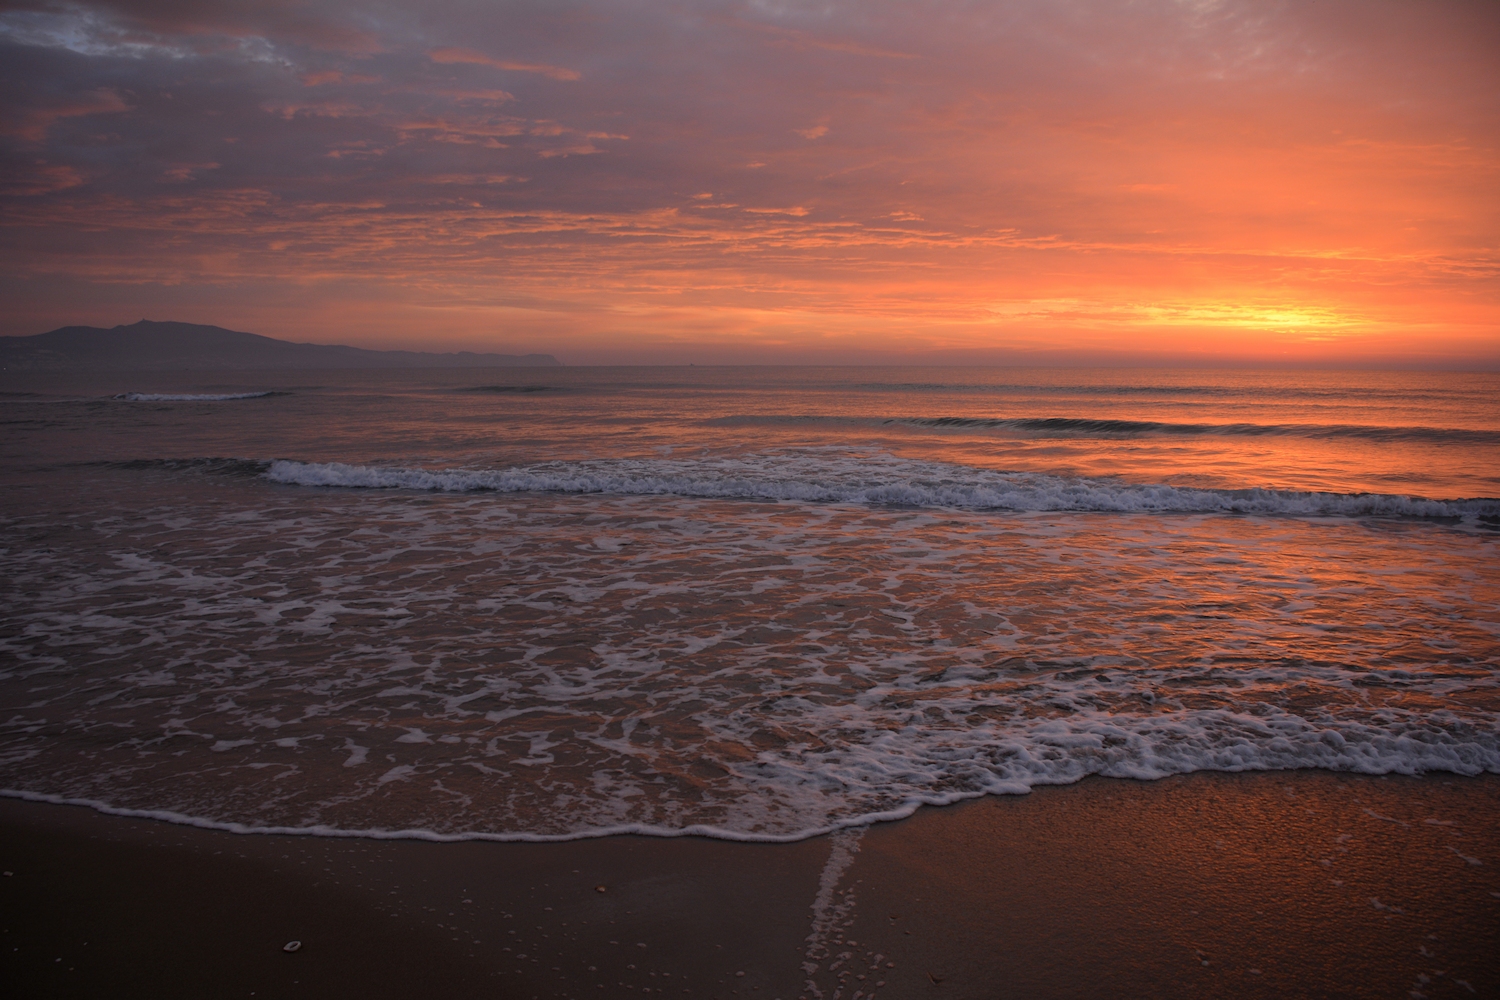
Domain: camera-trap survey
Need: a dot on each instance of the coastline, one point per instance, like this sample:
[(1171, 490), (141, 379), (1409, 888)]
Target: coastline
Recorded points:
[(1307, 883)]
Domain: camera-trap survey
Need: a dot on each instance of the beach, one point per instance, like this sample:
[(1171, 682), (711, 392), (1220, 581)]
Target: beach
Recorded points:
[(1300, 883)]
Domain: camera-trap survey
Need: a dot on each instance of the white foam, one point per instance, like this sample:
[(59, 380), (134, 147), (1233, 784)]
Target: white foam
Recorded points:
[(832, 911), (874, 480), (442, 666), (782, 798), (172, 397), (377, 833)]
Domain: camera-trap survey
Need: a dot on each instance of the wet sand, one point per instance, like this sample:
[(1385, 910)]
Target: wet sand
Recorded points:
[(1257, 885)]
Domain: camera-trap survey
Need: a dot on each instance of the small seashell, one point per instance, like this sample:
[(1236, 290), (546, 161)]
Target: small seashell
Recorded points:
[(600, 888), (292, 946)]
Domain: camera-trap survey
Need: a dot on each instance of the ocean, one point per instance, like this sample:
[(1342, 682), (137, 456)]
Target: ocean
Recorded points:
[(749, 603)]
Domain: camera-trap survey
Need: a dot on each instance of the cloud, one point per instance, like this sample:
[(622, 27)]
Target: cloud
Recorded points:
[(189, 171), (30, 124), (28, 180), (802, 40), (471, 179), (1338, 156), (321, 26), (450, 56), (490, 96)]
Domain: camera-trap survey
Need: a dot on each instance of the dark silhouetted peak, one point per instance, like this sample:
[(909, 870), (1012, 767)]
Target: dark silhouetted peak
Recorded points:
[(163, 346)]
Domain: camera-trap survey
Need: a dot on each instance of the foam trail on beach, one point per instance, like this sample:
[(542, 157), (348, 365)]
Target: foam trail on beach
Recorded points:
[(832, 913)]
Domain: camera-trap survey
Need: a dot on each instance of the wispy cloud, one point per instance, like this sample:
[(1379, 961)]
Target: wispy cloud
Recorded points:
[(450, 56), (803, 40), (30, 124)]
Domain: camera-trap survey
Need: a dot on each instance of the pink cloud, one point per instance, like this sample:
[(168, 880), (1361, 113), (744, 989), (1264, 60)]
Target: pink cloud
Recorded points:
[(803, 40), (31, 124), (450, 56), (31, 180)]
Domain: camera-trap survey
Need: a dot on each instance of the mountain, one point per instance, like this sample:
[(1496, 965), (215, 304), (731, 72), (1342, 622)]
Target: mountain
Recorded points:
[(148, 346)]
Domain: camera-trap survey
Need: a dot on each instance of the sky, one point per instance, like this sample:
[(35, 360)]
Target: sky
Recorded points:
[(765, 181)]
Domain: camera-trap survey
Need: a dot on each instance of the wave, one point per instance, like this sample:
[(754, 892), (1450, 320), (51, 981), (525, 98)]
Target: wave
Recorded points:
[(1231, 391), (514, 388), (894, 482), (1089, 427), (213, 466), (1057, 754), (672, 670), (510, 837), (1066, 389), (172, 397), (890, 777)]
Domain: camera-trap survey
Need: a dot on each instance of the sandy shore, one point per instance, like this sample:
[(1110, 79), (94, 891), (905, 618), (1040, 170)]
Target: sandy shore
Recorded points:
[(1260, 885)]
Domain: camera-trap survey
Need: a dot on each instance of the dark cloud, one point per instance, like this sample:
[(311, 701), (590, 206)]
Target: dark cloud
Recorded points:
[(147, 26)]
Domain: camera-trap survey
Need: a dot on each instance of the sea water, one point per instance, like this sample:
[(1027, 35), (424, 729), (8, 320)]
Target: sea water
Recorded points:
[(756, 603)]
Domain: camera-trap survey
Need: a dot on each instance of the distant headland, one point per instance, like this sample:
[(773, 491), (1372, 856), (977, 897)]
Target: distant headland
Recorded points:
[(151, 346)]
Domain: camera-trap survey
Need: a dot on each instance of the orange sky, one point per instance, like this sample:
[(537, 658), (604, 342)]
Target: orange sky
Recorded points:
[(1188, 181)]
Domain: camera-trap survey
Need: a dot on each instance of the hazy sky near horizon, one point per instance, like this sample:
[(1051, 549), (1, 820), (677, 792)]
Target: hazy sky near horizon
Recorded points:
[(764, 180)]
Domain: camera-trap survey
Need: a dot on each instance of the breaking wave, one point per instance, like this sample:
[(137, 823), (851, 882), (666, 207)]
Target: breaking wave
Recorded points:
[(882, 481), (1089, 427), (201, 397)]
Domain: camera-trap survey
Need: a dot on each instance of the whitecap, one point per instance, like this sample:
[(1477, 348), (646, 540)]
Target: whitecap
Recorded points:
[(201, 397), (882, 481)]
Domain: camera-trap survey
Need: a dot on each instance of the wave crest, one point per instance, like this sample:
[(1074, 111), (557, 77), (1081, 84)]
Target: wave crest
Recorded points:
[(1094, 427), (894, 482), (198, 397)]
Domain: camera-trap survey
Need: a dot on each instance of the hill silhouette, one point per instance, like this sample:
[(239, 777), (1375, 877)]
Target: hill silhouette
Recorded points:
[(152, 346)]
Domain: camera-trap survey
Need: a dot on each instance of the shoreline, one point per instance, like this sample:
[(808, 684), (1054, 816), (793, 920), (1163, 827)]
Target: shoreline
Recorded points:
[(1308, 883), (433, 837)]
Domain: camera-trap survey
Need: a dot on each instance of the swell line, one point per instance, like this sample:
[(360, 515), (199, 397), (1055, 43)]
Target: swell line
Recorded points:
[(918, 484), (1092, 427)]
